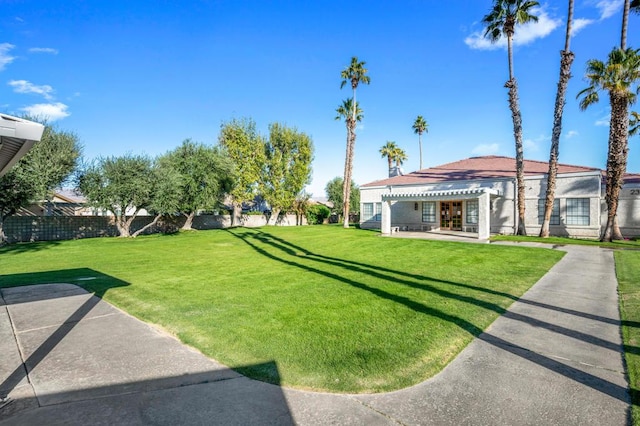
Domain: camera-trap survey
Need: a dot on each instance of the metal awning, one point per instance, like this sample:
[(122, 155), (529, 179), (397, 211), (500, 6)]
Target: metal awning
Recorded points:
[(17, 136), (449, 193)]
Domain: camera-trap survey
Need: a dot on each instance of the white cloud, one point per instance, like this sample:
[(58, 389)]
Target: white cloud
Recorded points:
[(5, 58), (43, 50), (52, 112), (608, 8), (525, 34), (533, 145), (604, 121), (579, 24), (571, 133), (23, 86), (486, 149)]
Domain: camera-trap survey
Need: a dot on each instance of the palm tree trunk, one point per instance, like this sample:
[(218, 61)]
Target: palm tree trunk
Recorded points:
[(514, 106), (566, 59), (510, 54), (616, 161), (420, 143), (347, 173), (348, 176), (512, 85), (625, 22), (389, 161)]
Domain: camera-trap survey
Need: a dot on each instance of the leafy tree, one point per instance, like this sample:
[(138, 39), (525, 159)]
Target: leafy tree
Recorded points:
[(205, 176), (354, 74), (317, 213), (334, 192), (617, 76), (45, 167), (17, 190), (566, 59), (287, 167), (388, 150), (126, 185), (501, 21), (420, 126), (245, 147)]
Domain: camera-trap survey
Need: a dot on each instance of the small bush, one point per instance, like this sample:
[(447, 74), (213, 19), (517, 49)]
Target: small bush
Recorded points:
[(316, 214)]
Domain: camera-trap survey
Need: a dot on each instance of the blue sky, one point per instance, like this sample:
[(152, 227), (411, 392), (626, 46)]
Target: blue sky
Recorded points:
[(141, 76)]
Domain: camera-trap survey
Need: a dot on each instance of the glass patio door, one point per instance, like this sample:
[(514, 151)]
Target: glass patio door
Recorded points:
[(451, 215)]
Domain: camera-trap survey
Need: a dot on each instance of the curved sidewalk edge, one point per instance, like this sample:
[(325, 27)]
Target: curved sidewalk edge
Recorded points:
[(555, 357)]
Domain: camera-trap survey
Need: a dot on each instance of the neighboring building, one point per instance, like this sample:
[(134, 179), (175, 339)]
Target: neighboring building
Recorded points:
[(17, 136), (68, 202), (65, 202), (478, 195)]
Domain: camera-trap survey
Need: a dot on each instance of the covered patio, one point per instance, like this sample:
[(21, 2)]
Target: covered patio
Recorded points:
[(448, 221)]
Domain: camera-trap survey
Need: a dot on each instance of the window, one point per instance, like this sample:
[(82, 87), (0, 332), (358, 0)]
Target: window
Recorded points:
[(367, 211), (429, 211), (577, 211), (555, 212), (472, 212)]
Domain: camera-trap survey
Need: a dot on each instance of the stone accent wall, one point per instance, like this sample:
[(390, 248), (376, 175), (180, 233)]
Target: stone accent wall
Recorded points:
[(53, 228)]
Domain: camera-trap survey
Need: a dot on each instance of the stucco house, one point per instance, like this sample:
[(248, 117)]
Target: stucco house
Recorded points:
[(478, 195)]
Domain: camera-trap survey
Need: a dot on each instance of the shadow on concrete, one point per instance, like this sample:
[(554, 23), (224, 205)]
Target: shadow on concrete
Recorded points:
[(276, 248), (211, 395)]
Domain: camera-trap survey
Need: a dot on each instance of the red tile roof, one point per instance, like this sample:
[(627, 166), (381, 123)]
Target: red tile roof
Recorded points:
[(488, 167)]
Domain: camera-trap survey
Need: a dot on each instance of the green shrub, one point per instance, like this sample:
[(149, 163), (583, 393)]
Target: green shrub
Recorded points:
[(317, 213)]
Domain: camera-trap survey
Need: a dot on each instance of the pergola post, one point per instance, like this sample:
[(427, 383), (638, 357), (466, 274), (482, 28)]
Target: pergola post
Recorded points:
[(385, 224), (484, 216)]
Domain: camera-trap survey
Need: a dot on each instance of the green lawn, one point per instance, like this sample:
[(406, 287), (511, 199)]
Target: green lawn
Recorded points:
[(333, 309), (628, 272)]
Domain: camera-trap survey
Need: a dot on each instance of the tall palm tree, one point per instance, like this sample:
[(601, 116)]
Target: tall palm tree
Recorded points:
[(566, 59), (345, 111), (502, 21), (399, 156), (388, 151), (355, 74), (420, 126), (617, 76)]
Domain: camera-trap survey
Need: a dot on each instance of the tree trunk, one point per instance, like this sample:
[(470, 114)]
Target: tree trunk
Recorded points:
[(625, 22), (512, 85), (616, 161), (273, 219), (122, 226), (566, 60), (3, 236), (188, 222), (236, 214), (147, 226), (346, 184), (420, 145)]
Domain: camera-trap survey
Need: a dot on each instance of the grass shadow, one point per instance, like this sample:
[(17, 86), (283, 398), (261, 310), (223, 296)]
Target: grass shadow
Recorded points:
[(295, 253)]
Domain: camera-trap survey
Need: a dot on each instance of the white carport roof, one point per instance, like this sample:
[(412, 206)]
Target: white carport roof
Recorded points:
[(17, 136)]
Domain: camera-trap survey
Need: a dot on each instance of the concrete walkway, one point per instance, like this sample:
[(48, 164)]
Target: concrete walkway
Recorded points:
[(67, 357)]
